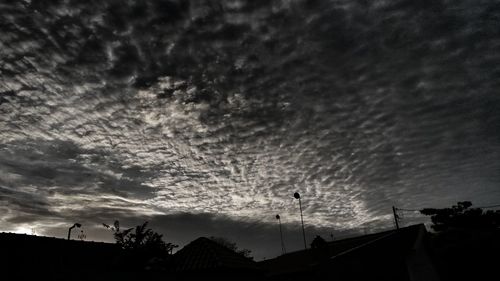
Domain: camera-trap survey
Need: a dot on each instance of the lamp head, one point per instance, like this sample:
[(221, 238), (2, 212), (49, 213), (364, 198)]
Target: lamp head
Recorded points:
[(277, 217), (78, 225), (296, 195)]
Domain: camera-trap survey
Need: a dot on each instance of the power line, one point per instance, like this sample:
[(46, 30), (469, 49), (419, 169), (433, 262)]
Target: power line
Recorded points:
[(399, 212), (407, 210), (418, 210)]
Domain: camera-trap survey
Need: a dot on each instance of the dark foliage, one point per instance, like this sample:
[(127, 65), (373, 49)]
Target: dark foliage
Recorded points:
[(320, 248), (465, 240), (232, 246), (318, 243), (143, 246), (462, 216)]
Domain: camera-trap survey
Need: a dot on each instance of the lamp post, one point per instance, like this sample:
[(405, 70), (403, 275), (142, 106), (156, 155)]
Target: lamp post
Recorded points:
[(71, 228), (283, 251), (297, 196)]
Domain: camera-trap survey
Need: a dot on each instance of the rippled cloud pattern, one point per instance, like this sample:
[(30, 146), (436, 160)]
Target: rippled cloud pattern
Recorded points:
[(226, 108)]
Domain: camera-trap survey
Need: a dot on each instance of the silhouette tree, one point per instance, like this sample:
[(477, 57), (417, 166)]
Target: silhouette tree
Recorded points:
[(232, 246), (462, 216), (320, 248), (465, 240), (142, 245), (318, 242)]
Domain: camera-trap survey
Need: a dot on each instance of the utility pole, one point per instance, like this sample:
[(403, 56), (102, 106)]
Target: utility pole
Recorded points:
[(297, 196), (396, 217), (283, 251)]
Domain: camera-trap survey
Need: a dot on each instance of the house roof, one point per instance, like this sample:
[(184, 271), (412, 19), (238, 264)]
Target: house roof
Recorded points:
[(14, 243), (300, 260), (204, 254), (304, 260), (10, 237), (25, 256)]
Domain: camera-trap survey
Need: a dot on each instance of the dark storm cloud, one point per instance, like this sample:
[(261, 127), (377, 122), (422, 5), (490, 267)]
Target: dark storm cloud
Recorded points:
[(227, 108), (63, 167), (18, 201), (46, 182)]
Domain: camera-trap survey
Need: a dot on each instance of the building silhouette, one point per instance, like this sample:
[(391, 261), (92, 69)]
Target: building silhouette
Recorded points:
[(410, 253)]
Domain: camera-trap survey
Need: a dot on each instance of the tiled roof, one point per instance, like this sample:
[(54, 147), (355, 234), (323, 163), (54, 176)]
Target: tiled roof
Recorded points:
[(300, 260), (24, 257), (305, 259), (204, 254), (19, 238)]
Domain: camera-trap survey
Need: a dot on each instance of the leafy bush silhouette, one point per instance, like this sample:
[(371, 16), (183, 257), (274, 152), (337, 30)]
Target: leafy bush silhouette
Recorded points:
[(465, 240), (143, 247), (320, 248), (462, 216), (232, 246)]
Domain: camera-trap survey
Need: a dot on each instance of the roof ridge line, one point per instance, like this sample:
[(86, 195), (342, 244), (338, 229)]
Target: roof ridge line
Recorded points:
[(362, 245)]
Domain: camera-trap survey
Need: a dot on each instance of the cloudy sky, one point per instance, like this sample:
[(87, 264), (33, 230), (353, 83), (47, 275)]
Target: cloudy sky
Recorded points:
[(204, 117)]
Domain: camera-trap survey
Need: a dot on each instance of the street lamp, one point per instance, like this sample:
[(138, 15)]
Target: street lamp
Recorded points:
[(69, 231), (297, 196), (283, 251)]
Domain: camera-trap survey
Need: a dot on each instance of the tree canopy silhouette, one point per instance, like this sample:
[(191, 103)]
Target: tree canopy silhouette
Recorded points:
[(320, 248), (462, 216), (232, 246), (318, 242), (142, 238), (142, 244), (465, 240)]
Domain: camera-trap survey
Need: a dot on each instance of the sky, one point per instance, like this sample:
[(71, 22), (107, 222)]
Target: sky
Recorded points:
[(204, 117)]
